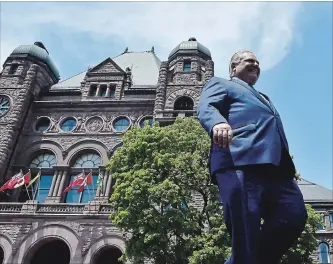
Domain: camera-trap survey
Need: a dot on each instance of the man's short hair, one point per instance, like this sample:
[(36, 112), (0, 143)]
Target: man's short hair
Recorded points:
[(236, 59)]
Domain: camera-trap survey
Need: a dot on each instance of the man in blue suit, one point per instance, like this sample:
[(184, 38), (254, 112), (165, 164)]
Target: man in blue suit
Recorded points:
[(251, 165)]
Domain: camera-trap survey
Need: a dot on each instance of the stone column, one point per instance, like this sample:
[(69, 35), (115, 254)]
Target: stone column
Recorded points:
[(108, 90), (98, 90), (209, 70), (108, 181), (50, 195), (59, 181), (161, 89), (55, 190), (63, 181)]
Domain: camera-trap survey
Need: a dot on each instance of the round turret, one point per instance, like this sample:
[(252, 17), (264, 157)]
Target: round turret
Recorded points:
[(189, 47), (39, 51)]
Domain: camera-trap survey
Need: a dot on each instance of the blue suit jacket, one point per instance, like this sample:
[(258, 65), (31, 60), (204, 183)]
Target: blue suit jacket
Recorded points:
[(258, 134)]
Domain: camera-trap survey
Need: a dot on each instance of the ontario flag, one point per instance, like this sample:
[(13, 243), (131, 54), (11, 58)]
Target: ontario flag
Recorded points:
[(77, 181), (16, 181), (87, 180)]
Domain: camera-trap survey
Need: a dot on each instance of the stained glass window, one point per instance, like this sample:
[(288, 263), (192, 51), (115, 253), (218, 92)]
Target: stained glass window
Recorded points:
[(121, 124), (45, 160), (68, 125)]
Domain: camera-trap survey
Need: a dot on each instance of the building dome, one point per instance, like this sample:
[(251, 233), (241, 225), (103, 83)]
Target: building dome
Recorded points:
[(39, 51), (188, 47)]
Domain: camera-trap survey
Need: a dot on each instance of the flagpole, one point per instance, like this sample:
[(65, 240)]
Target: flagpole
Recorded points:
[(5, 193), (26, 187), (88, 188), (27, 191), (38, 188), (79, 187), (32, 183), (92, 181)]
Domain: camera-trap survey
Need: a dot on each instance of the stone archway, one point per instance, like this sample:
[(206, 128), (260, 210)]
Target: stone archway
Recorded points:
[(170, 101), (2, 255), (106, 255), (50, 251)]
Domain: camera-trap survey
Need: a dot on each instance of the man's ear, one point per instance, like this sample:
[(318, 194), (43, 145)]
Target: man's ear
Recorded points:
[(233, 69)]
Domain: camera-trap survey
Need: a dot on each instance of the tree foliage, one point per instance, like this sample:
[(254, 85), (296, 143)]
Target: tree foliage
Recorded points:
[(163, 198)]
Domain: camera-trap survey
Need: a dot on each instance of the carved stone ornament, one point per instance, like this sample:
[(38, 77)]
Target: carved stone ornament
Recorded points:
[(94, 124)]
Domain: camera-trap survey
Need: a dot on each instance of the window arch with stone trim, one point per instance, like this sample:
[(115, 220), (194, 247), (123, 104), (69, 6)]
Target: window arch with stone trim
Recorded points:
[(42, 162), (86, 161), (324, 255), (183, 103)]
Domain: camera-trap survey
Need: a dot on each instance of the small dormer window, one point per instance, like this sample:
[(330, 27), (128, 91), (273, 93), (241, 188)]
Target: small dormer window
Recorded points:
[(102, 91), (93, 90), (187, 66), (13, 68)]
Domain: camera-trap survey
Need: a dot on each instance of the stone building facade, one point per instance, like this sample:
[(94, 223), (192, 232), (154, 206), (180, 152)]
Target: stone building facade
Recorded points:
[(59, 129)]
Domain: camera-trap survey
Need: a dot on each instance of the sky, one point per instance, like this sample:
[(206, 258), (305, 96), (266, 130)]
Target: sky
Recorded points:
[(292, 40)]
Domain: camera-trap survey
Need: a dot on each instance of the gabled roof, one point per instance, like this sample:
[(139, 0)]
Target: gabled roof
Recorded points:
[(107, 61), (314, 192), (144, 65)]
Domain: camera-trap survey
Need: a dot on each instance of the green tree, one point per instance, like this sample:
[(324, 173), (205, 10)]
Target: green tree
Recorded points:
[(163, 197)]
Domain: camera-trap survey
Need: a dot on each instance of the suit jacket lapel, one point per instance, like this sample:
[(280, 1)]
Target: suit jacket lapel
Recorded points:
[(270, 103), (253, 91)]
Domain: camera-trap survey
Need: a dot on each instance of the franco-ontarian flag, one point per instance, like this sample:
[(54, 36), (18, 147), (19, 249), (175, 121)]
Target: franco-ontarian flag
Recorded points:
[(100, 180), (34, 179)]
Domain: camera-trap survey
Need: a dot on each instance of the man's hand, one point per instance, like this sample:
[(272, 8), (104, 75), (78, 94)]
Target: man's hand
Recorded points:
[(222, 135)]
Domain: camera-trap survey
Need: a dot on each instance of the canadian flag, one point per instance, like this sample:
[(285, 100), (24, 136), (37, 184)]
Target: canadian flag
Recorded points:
[(23, 180), (87, 180), (77, 181), (16, 181)]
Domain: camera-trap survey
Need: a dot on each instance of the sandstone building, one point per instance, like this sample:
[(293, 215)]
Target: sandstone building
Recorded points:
[(61, 128)]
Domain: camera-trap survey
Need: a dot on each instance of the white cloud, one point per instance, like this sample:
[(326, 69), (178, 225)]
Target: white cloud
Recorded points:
[(224, 27)]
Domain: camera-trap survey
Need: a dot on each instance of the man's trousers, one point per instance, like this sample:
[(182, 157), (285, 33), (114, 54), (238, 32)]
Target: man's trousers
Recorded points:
[(252, 193)]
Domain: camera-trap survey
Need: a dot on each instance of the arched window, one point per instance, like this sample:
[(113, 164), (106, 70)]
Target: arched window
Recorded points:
[(51, 251), (106, 255), (184, 103), (88, 160), (84, 163), (324, 256), (2, 255), (41, 168)]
